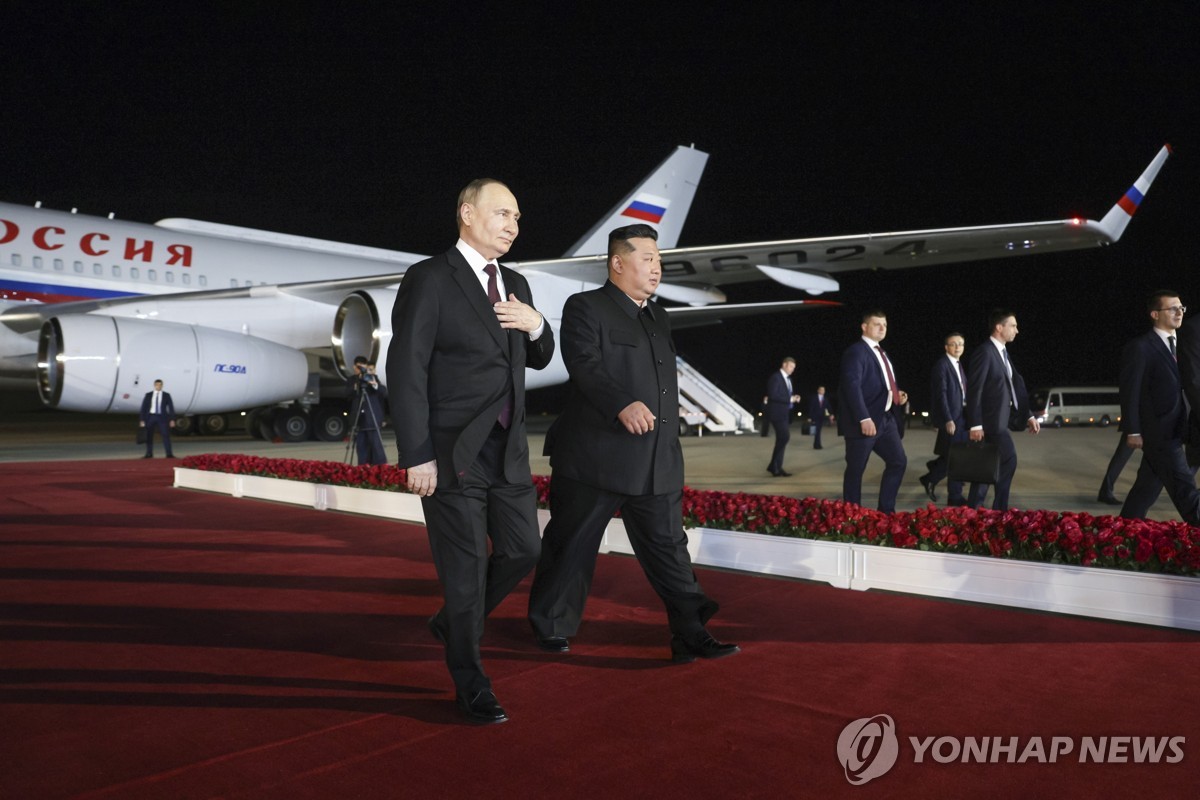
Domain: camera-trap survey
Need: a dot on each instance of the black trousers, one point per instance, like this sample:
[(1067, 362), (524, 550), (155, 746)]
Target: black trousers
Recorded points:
[(579, 514), (1120, 458), (783, 434), (460, 522), (161, 423), (1164, 465)]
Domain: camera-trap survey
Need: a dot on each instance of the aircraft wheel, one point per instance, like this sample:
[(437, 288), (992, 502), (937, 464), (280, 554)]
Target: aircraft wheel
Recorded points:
[(265, 424), (184, 426), (213, 424), (292, 425), (329, 424)]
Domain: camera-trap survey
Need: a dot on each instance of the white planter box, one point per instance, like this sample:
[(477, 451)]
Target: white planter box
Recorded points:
[(1168, 600), (1108, 594)]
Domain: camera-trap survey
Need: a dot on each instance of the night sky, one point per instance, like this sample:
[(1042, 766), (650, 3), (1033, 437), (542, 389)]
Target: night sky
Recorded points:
[(820, 118)]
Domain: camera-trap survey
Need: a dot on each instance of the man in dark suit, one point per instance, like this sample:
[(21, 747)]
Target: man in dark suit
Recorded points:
[(818, 412), (869, 402), (366, 413), (1154, 413), (456, 380), (158, 413), (947, 392), (997, 402), (615, 447), (1189, 376), (780, 400)]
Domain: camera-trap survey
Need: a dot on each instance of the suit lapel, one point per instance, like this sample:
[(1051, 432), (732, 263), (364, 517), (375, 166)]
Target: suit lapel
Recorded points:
[(463, 275)]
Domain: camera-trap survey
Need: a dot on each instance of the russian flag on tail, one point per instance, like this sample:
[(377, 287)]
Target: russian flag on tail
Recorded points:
[(647, 207), (1130, 202)]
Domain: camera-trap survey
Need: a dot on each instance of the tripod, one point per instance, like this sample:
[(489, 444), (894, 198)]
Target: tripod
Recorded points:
[(360, 397)]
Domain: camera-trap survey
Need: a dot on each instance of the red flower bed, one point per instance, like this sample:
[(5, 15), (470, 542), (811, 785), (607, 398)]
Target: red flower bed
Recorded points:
[(1055, 537)]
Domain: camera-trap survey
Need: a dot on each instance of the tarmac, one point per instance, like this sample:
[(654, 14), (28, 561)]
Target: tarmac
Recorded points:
[(1057, 470)]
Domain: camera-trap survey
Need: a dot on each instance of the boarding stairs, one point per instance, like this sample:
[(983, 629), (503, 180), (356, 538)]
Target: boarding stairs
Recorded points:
[(704, 407)]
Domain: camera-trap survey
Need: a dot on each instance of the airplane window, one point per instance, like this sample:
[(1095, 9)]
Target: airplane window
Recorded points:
[(16, 259), (152, 274), (187, 278), (170, 276), (203, 280), (37, 262), (116, 271), (58, 264), (233, 282), (79, 266), (97, 269), (249, 283), (134, 273)]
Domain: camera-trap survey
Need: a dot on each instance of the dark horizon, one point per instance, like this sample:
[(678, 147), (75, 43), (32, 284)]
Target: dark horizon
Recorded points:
[(361, 125)]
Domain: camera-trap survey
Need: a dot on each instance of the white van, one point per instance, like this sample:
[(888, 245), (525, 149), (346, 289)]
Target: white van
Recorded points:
[(1077, 405)]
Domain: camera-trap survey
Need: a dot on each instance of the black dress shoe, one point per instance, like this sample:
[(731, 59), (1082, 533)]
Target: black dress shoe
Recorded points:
[(1107, 499), (783, 473), (436, 628), (684, 651), (147, 456), (482, 708), (924, 479), (554, 644)]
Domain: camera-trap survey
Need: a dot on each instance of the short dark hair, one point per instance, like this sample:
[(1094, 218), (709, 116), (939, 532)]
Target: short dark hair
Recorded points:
[(1154, 297), (951, 335), (618, 238), (470, 194), (787, 360), (360, 359), (997, 316), (873, 312)]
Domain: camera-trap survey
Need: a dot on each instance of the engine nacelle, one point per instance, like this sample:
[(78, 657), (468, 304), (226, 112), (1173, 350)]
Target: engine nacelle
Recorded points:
[(97, 363), (363, 327)]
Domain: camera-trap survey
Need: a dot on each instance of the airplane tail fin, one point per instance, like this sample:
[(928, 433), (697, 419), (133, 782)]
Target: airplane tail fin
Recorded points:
[(662, 199), (1118, 216)]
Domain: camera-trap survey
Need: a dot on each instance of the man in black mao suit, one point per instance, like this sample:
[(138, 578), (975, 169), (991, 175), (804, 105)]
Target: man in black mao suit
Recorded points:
[(158, 413), (948, 397), (616, 447), (456, 383), (780, 399), (997, 402), (1154, 413), (870, 409)]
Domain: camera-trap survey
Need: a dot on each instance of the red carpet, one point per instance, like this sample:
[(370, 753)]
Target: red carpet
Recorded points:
[(156, 642)]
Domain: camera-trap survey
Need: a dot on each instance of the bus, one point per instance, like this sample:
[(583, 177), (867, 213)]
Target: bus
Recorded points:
[(1077, 405)]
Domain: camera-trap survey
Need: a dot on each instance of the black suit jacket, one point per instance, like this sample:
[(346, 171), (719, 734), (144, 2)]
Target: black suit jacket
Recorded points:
[(450, 367), (168, 407), (946, 393), (1151, 392), (863, 392), (615, 356), (779, 397), (1188, 350), (988, 400)]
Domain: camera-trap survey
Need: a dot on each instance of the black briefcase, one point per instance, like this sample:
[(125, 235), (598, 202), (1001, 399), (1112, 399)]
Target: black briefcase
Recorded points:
[(974, 462), (140, 437)]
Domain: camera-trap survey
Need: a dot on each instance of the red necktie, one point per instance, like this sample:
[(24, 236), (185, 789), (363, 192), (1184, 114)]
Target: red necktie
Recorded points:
[(887, 367), (505, 417), (493, 291)]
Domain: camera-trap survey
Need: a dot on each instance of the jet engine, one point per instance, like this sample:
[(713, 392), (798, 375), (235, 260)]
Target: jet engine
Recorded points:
[(363, 327), (107, 364)]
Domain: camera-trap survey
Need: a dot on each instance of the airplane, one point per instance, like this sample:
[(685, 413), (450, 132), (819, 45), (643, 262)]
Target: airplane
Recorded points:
[(92, 309)]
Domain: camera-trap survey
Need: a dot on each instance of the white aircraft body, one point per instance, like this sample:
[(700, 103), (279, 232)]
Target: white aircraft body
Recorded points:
[(92, 310)]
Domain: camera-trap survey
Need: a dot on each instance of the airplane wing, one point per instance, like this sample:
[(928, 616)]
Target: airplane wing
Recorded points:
[(27, 317), (806, 264), (695, 316)]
